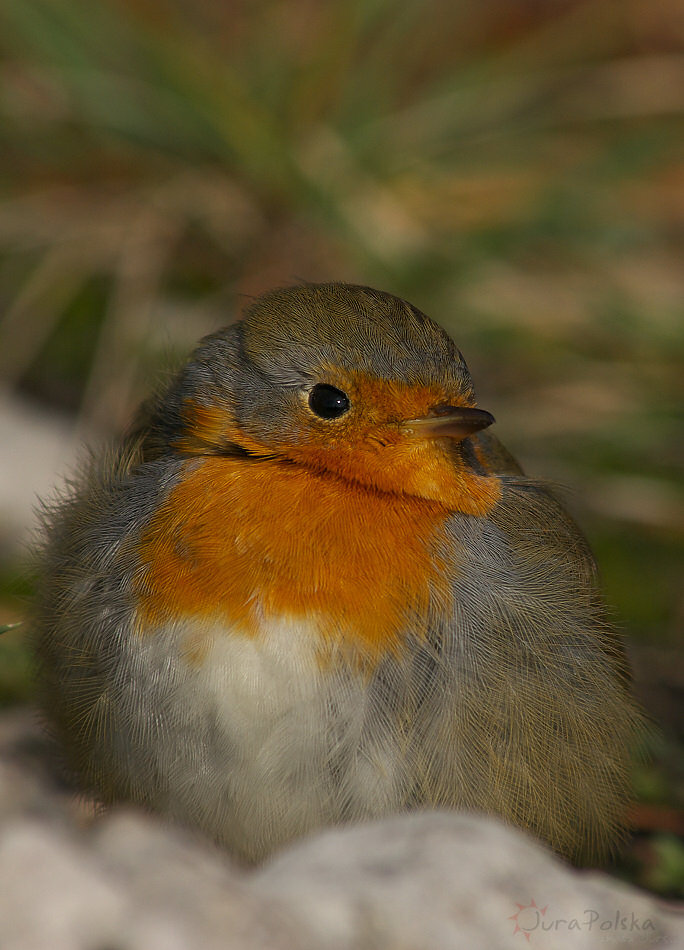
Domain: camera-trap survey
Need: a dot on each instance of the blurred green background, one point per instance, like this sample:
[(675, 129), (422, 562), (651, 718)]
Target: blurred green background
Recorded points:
[(515, 168)]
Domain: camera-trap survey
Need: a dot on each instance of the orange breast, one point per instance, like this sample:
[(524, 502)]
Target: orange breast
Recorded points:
[(247, 541)]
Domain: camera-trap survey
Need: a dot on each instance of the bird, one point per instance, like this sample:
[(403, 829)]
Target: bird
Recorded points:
[(309, 587)]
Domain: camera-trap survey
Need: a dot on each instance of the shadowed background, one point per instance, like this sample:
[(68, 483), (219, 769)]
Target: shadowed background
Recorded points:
[(514, 169)]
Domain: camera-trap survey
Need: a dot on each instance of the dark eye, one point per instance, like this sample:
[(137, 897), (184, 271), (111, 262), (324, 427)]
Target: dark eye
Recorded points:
[(328, 402)]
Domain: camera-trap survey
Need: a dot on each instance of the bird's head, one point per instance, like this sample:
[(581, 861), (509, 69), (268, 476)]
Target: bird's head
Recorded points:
[(344, 380)]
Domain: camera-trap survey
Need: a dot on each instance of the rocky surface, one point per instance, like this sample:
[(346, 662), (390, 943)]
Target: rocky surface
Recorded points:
[(74, 880)]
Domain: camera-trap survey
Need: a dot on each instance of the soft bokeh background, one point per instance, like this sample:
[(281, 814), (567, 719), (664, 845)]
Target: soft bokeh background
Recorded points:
[(515, 168)]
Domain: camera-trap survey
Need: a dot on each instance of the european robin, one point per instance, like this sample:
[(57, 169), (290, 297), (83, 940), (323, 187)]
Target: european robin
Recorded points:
[(310, 587)]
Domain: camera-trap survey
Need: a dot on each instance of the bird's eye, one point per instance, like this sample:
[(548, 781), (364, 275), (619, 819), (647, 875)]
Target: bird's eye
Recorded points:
[(328, 402)]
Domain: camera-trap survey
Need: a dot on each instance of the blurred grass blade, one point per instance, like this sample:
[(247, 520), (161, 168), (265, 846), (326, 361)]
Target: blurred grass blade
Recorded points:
[(9, 626)]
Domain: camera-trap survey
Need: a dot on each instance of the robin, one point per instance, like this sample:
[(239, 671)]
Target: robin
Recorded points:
[(310, 588)]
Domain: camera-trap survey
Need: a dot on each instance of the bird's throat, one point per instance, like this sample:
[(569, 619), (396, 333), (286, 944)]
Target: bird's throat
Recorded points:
[(248, 542), (432, 470)]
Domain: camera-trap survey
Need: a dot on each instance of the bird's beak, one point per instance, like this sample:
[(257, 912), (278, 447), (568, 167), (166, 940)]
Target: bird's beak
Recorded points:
[(453, 422)]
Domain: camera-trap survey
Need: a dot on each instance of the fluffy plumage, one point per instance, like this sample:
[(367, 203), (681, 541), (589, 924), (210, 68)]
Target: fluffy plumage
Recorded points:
[(260, 621)]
